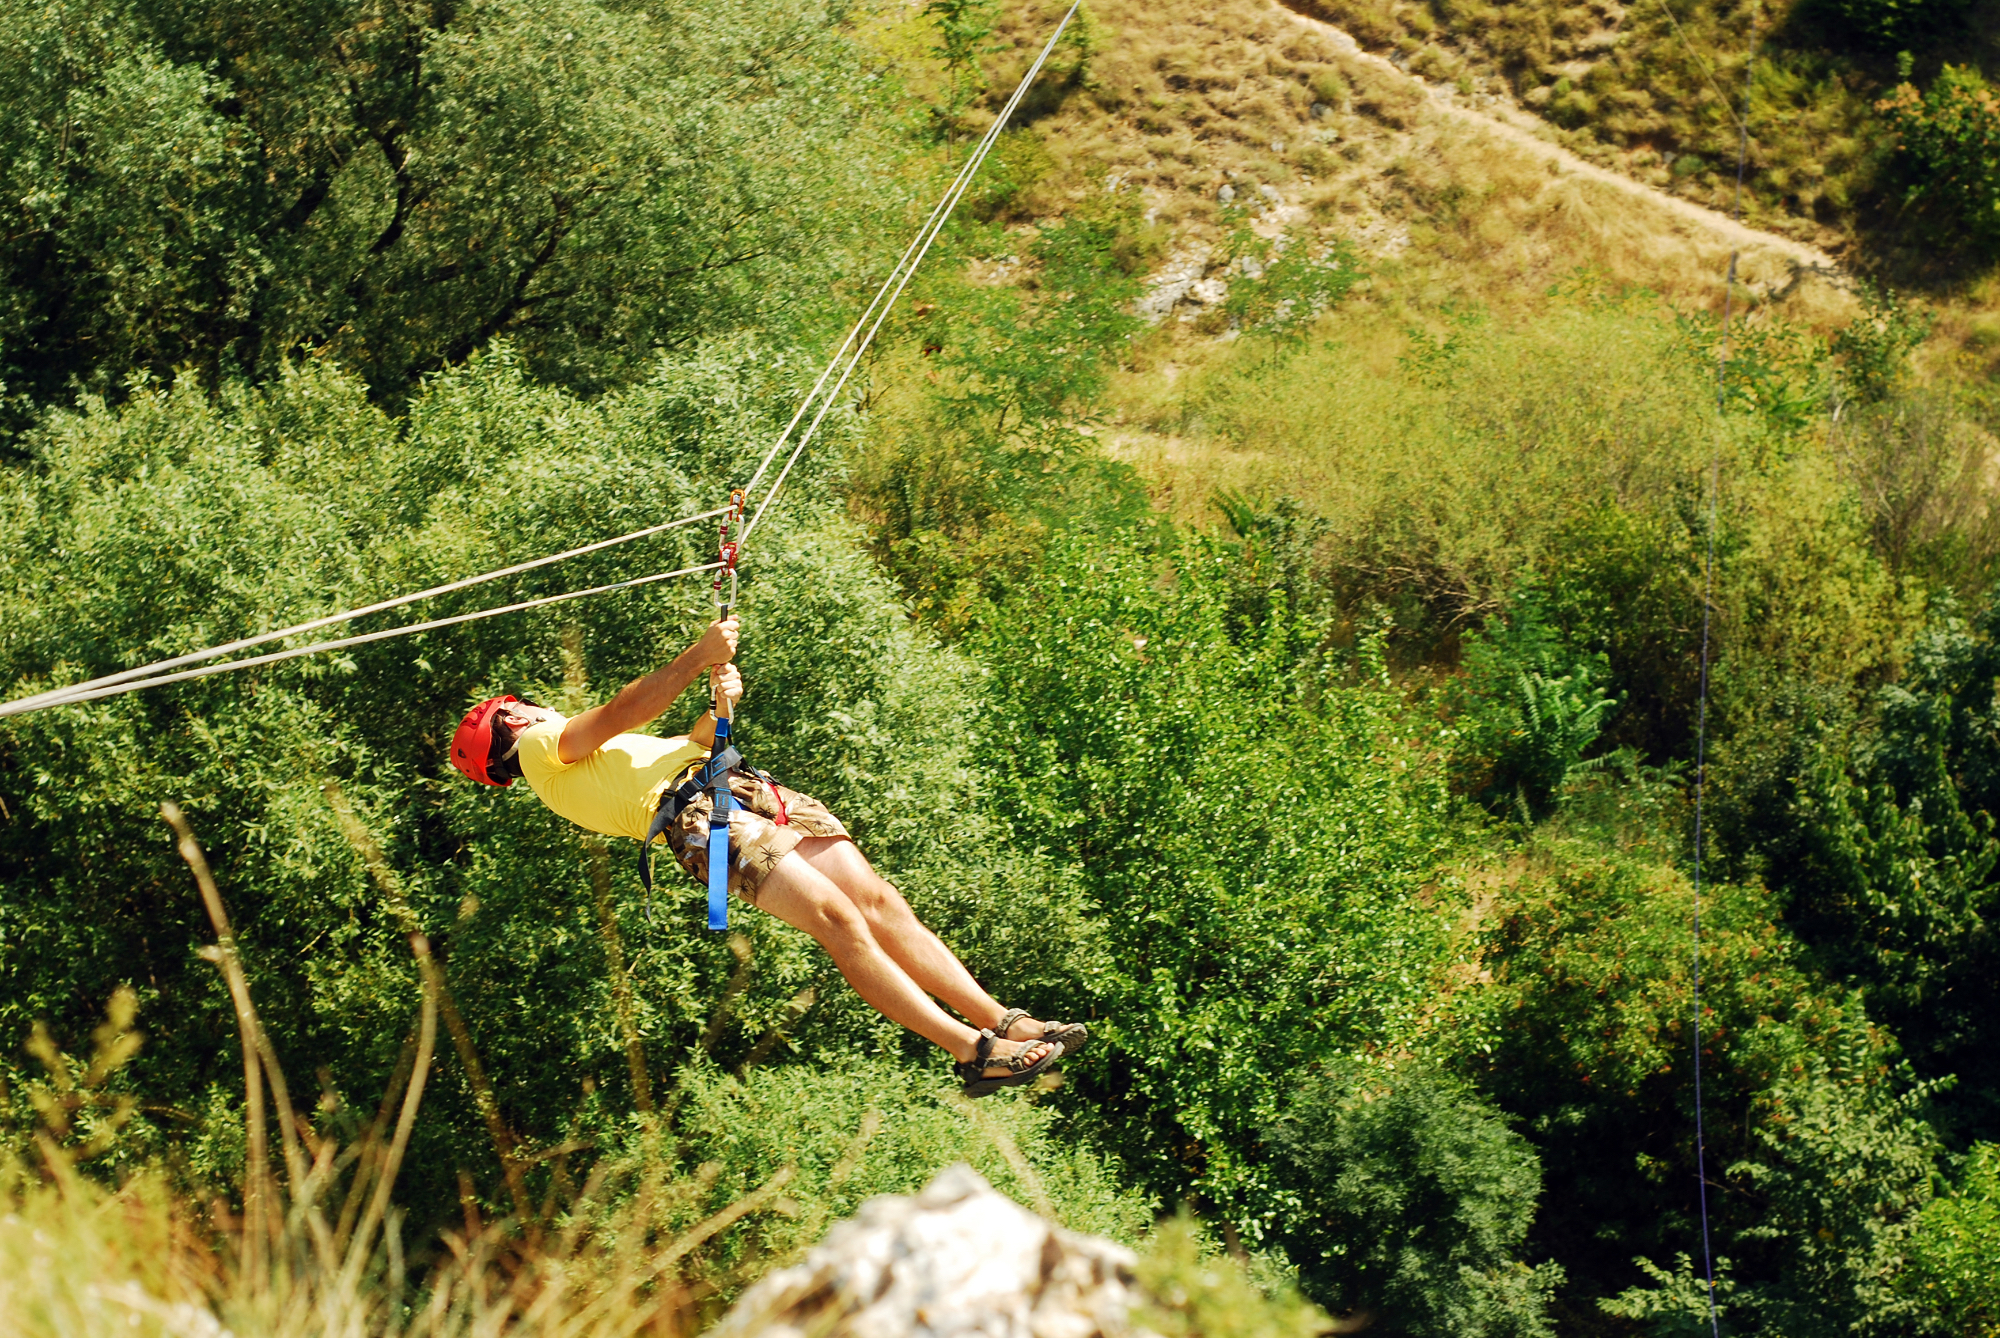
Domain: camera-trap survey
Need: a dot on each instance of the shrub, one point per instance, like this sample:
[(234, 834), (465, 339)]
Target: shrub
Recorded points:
[(1948, 139), (1817, 1157), (1956, 1244), (1527, 711), (1415, 1198), (1874, 824), (1191, 1293), (1258, 841)]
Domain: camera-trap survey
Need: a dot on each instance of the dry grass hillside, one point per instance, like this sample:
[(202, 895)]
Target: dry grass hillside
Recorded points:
[(1439, 188), (1210, 116)]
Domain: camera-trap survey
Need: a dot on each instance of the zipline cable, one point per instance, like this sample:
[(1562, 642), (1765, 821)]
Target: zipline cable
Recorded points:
[(939, 217), (75, 691), (150, 675), (942, 207), (1714, 490), (362, 639)]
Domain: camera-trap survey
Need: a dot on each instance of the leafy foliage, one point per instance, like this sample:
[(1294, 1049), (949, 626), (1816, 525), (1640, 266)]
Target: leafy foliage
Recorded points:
[(1948, 139), (218, 185), (965, 478), (1249, 830), (1415, 1200), (1527, 712), (1957, 1239), (1816, 1135), (1877, 831)]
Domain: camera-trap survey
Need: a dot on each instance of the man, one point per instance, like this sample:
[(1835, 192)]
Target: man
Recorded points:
[(793, 858)]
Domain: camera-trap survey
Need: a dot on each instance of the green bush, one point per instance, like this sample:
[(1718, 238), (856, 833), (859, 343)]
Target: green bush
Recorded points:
[(1957, 1240), (1191, 1293), (1526, 712), (1817, 1154), (1414, 1200), (1874, 824), (975, 461), (1948, 145), (1258, 838)]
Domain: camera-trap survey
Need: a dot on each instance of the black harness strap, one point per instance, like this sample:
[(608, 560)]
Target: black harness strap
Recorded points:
[(672, 802)]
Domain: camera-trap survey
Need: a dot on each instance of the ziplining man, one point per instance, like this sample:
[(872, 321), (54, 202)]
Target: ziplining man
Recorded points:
[(793, 858)]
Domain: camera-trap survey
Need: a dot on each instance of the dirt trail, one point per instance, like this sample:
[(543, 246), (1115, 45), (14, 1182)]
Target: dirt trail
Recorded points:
[(1521, 134)]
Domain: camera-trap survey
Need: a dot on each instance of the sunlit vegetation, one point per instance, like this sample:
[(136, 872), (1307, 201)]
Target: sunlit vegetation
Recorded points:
[(1316, 686)]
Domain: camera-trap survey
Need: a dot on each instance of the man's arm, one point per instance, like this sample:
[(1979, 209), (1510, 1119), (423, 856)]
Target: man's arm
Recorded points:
[(643, 699)]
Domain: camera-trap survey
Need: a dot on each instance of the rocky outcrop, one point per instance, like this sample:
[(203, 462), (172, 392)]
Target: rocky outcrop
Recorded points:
[(958, 1260)]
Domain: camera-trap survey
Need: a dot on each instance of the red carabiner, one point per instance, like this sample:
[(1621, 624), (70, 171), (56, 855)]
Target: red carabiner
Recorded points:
[(726, 550)]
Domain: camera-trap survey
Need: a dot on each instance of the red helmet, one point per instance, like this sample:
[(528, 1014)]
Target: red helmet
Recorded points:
[(472, 745)]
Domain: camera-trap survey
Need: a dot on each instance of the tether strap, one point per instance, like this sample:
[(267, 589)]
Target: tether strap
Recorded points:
[(724, 761), (718, 837)]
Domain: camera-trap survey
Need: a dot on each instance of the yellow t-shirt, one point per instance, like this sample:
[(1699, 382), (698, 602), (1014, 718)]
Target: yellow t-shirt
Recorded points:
[(616, 789)]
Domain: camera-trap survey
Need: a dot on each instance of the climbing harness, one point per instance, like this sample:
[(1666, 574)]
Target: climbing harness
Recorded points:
[(724, 761)]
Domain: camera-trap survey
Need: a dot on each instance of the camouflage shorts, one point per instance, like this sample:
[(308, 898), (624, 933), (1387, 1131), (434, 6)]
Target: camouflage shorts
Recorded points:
[(766, 824)]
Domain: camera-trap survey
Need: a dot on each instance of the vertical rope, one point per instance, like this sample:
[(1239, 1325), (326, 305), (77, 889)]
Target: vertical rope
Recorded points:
[(1714, 490)]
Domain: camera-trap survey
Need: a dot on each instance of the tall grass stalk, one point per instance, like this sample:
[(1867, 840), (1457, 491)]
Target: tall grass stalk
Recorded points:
[(316, 1250)]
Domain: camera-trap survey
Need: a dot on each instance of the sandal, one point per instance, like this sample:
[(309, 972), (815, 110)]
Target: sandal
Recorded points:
[(1072, 1036), (1019, 1067)]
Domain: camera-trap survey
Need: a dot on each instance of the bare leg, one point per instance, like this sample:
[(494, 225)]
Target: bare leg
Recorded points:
[(801, 896), (908, 941)]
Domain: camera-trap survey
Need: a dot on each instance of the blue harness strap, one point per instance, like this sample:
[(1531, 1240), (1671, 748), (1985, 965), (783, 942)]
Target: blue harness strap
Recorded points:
[(718, 837)]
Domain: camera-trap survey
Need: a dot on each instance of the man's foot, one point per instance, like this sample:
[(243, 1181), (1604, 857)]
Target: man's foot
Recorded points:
[(996, 1063), (1016, 1025)]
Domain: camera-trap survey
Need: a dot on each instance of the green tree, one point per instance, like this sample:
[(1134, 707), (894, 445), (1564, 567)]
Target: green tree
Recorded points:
[(962, 29), (1875, 825), (1818, 1156), (1415, 1199), (1251, 831), (1948, 145), (219, 185), (1957, 1240)]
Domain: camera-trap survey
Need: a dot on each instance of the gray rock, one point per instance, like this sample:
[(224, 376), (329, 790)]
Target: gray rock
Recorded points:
[(958, 1260), (1165, 289), (1227, 193), (1209, 291)]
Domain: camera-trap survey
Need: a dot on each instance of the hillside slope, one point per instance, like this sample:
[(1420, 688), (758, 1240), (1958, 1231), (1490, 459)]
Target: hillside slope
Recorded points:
[(1461, 199)]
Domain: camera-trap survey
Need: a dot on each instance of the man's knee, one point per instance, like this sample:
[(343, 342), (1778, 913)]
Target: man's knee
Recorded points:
[(879, 900), (875, 896), (834, 919)]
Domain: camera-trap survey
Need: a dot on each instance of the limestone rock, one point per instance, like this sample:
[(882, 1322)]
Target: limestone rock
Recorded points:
[(958, 1260), (1165, 289), (1209, 291)]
